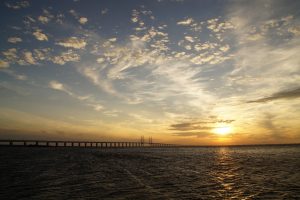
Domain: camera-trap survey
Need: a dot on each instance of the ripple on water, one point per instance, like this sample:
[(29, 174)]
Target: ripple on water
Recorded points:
[(183, 173)]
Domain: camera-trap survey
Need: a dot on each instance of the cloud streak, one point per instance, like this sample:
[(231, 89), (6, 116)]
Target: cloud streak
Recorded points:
[(289, 94), (14, 40), (18, 5), (198, 125), (73, 42)]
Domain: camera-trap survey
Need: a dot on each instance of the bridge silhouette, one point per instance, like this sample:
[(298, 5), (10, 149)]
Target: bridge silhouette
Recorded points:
[(85, 144)]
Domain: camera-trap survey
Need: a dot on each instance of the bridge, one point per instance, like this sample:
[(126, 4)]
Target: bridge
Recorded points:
[(84, 144)]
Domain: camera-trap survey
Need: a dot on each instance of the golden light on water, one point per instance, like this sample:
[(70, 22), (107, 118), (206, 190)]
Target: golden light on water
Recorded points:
[(222, 130)]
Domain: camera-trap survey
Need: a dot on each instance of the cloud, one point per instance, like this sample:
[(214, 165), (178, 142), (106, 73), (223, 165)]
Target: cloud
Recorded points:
[(73, 42), (289, 94), (205, 46), (59, 86), (100, 60), (112, 39), (295, 30), (10, 54), (39, 35), (43, 19), (191, 24), (216, 26), (104, 11), (96, 107), (98, 79), (14, 40), (29, 58), (56, 85), (15, 75), (210, 58), (198, 125), (189, 38), (3, 64), (74, 13), (163, 77), (82, 20), (25, 57), (189, 126), (198, 134), (266, 53), (46, 17), (65, 57), (18, 5), (260, 69), (42, 54), (225, 48), (273, 130), (87, 100), (198, 128), (185, 22), (135, 16), (254, 37), (111, 113)]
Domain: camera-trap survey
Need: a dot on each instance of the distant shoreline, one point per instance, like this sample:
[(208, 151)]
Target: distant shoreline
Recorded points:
[(147, 145)]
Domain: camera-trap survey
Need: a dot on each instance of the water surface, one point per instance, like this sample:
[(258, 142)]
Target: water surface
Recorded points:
[(257, 172)]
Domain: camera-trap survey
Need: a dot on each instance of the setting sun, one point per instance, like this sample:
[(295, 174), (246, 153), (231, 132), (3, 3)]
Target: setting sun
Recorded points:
[(222, 130)]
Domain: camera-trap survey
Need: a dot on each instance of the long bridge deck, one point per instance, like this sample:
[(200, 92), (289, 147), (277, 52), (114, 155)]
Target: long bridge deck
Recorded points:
[(85, 144)]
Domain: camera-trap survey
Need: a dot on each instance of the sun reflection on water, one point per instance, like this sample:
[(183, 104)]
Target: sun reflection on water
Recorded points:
[(226, 174)]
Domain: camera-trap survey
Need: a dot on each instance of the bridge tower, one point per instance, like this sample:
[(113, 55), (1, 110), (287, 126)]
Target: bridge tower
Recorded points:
[(142, 140)]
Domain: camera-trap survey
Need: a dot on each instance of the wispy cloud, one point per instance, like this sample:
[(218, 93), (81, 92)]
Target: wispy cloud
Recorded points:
[(263, 60), (73, 42), (198, 125), (14, 40), (198, 134), (87, 99), (104, 11), (289, 94), (189, 126), (4, 64), (15, 75), (59, 86), (18, 5), (186, 22)]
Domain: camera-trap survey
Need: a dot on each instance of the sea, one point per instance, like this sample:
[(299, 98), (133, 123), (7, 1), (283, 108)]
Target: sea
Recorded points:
[(241, 172)]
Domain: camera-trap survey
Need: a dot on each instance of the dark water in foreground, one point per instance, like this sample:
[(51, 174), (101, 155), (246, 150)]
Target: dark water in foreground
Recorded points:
[(265, 172)]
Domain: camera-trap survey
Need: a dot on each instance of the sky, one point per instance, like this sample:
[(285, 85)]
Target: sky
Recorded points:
[(209, 72)]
